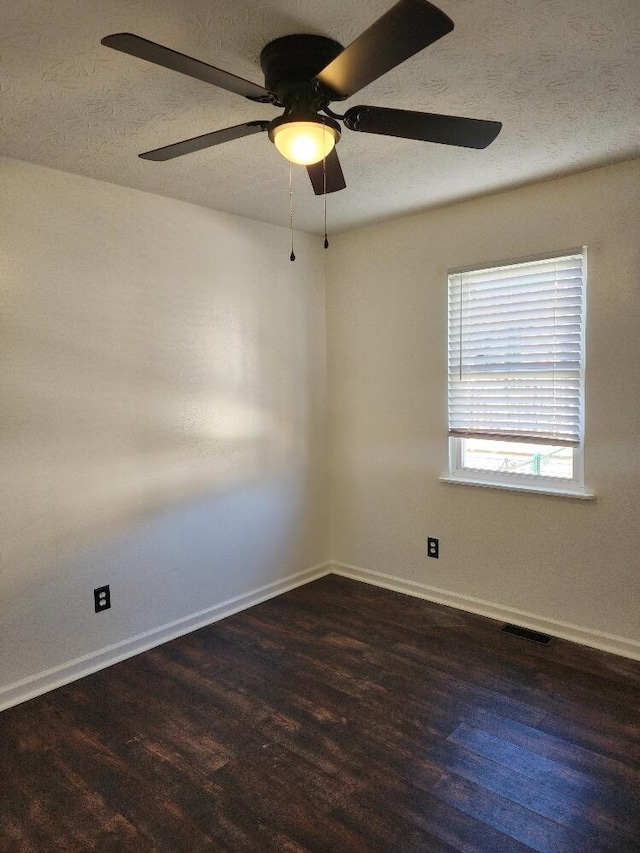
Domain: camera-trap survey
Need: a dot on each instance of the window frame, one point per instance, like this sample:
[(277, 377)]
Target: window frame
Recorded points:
[(572, 487), (509, 479)]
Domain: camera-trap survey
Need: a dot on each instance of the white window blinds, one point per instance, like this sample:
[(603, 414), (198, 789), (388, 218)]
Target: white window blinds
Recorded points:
[(516, 351)]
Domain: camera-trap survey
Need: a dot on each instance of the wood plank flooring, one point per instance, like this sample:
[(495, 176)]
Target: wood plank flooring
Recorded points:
[(337, 717)]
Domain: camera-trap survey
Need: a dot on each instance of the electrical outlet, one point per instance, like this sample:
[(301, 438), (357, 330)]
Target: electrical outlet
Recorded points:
[(433, 547), (102, 598)]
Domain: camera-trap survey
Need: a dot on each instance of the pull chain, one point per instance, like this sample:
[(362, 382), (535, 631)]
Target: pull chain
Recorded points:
[(324, 193), (292, 256)]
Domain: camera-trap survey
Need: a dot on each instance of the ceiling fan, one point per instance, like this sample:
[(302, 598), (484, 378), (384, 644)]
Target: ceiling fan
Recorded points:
[(304, 74)]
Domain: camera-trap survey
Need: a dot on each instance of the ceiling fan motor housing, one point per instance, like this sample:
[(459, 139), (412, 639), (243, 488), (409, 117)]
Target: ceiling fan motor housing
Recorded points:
[(290, 63)]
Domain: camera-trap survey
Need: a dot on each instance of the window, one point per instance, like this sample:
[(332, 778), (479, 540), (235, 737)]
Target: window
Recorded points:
[(516, 364)]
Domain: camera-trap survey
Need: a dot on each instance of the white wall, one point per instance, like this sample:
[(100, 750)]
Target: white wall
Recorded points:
[(567, 561), (162, 417), (162, 414)]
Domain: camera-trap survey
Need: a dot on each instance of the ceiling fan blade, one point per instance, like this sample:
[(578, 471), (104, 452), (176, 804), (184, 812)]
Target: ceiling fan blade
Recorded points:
[(197, 143), (406, 28), (159, 55), (335, 178), (428, 127)]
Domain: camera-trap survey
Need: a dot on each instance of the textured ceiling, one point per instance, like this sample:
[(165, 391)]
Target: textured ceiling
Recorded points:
[(562, 75)]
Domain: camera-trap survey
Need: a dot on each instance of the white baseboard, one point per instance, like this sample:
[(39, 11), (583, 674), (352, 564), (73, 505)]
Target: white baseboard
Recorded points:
[(43, 682), (576, 634)]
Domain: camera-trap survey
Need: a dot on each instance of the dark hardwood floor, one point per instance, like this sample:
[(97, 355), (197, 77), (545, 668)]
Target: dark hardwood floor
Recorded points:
[(337, 717)]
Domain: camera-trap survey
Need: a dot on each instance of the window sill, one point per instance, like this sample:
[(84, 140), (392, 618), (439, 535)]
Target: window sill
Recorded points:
[(509, 487)]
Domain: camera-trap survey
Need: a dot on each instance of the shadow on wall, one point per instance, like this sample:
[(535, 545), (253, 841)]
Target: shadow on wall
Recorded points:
[(128, 410)]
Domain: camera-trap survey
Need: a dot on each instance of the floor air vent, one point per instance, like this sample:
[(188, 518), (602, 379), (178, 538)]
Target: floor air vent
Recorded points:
[(526, 634)]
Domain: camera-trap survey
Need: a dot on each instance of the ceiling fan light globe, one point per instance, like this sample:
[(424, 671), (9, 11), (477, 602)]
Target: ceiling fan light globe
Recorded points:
[(304, 142)]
